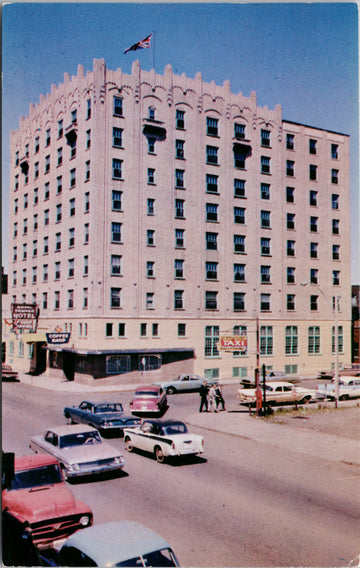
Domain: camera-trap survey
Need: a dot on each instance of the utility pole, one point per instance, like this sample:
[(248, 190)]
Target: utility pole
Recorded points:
[(336, 377), (257, 370)]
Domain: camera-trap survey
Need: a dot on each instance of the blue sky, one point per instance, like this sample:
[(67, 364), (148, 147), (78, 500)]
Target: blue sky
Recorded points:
[(303, 56)]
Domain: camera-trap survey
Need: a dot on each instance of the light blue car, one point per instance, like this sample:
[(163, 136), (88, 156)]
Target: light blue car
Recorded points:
[(118, 543), (185, 383)]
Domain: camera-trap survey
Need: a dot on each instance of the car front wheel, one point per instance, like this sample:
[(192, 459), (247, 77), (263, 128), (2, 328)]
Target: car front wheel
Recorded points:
[(129, 445), (159, 454), (170, 390)]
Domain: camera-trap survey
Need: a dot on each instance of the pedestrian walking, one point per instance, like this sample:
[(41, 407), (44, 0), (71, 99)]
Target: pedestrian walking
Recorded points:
[(212, 399), (219, 397), (203, 397)]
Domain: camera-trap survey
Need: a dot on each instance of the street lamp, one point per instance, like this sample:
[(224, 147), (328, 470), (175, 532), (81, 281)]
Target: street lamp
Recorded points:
[(335, 308)]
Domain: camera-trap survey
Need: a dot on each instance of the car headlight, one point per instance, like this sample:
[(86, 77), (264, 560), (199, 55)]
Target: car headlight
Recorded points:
[(85, 521), (118, 460), (74, 467)]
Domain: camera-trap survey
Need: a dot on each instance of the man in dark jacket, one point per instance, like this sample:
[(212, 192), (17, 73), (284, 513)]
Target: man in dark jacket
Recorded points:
[(203, 392)]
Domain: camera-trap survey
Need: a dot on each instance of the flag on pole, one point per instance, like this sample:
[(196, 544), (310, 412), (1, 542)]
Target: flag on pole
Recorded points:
[(140, 44)]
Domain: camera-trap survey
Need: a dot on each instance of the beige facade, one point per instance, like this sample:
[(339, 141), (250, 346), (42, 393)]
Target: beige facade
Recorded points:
[(151, 214)]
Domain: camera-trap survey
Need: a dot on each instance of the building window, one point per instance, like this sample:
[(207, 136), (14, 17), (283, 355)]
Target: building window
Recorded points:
[(239, 188), (36, 170), (239, 272), (314, 303), (150, 238), (335, 201), (290, 168), (265, 191), (71, 238), (47, 191), (16, 182), (24, 276), (151, 206), (26, 200), (155, 330), (336, 252), (57, 300), (36, 222), (87, 170), (239, 301), (290, 195), (314, 340), (314, 275), (265, 165), (178, 299), (181, 329), (212, 155), (239, 243), (45, 300), (336, 278), (313, 250), (211, 270), (291, 340), (59, 185), (265, 219), (70, 299), (335, 226), (88, 109), (211, 241), (121, 330), (149, 300), (115, 267), (116, 232), (179, 179), (74, 116), (118, 106), (266, 340), (86, 233), (312, 146), (265, 274), (150, 272), (60, 128), (312, 172), (116, 200), (180, 119), (179, 149), (290, 275), (34, 274), (179, 238), (211, 300), (59, 157), (211, 212), (290, 221), (108, 329), (47, 164), (143, 330), (335, 176), (88, 139), (340, 339), (117, 168), (58, 242), (58, 213), (265, 246), (265, 302), (46, 217), (334, 151), (24, 251), (86, 265), (290, 302), (212, 337), (314, 224), (290, 248), (239, 215), (212, 126), (179, 208), (313, 198), (151, 176), (46, 245), (290, 138), (72, 178), (35, 249), (151, 145), (265, 138), (239, 131), (179, 268), (37, 144), (57, 274), (151, 113), (115, 294), (212, 183)]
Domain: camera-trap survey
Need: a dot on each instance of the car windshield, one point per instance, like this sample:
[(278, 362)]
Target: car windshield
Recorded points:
[(142, 394), (47, 475), (176, 428), (80, 439), (103, 408), (164, 557)]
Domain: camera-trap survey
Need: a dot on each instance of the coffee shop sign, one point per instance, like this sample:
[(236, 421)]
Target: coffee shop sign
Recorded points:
[(58, 337)]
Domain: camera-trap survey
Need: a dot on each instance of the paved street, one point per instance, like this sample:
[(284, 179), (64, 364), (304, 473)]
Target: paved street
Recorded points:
[(278, 492)]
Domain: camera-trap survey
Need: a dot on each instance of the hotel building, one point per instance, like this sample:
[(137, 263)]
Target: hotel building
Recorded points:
[(151, 215)]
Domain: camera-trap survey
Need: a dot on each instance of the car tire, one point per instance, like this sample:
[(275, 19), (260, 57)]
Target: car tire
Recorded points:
[(129, 445), (170, 390), (159, 454), (305, 400), (69, 420), (344, 397)]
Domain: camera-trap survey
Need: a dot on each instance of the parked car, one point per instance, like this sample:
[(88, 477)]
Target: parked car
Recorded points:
[(349, 387), (164, 439), (80, 450), (185, 383), (117, 543), (277, 393), (8, 374), (345, 370), (270, 376), (36, 498), (149, 399), (107, 417)]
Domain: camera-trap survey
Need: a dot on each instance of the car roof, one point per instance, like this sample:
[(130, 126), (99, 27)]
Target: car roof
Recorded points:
[(35, 460), (147, 387), (116, 541), (162, 423), (280, 384), (70, 429)]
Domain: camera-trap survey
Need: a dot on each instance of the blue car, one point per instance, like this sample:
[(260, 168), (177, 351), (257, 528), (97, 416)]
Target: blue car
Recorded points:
[(107, 417)]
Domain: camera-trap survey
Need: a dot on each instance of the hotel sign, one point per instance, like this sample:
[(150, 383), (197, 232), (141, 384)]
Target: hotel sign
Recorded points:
[(233, 343), (24, 316)]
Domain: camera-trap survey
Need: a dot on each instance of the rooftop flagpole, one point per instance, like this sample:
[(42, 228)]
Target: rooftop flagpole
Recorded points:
[(154, 50)]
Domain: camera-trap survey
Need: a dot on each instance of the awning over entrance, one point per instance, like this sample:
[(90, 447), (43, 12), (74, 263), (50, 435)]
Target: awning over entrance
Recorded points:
[(34, 337), (117, 351)]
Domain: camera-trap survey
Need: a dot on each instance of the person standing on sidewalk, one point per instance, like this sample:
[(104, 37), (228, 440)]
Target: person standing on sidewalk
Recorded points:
[(219, 397), (203, 392), (212, 399)]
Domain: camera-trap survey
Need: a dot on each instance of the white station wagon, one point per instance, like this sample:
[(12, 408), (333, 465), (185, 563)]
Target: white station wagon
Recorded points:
[(163, 439)]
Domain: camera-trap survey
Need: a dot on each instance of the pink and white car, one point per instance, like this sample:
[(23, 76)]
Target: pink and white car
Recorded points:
[(149, 400)]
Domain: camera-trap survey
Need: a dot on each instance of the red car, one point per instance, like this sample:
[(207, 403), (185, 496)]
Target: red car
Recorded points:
[(149, 400)]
